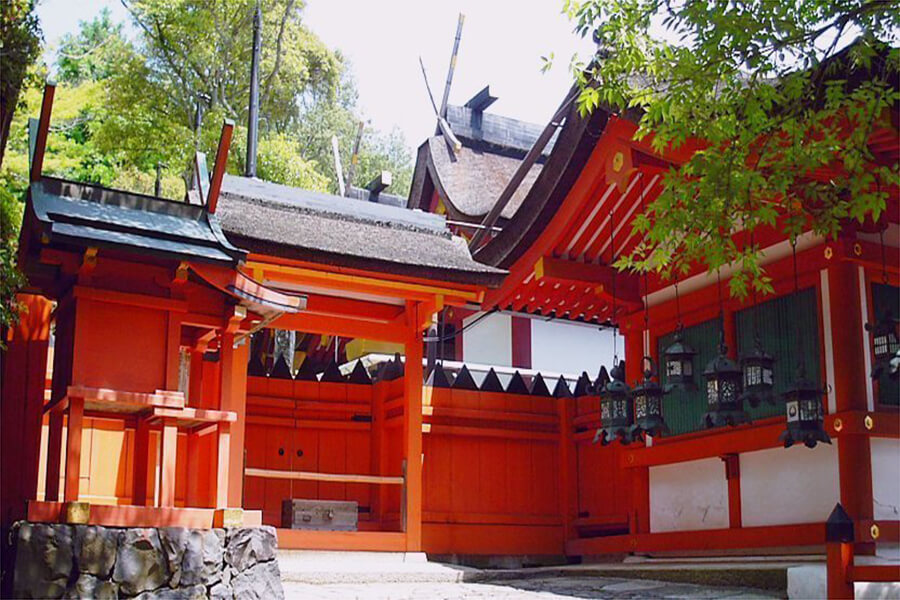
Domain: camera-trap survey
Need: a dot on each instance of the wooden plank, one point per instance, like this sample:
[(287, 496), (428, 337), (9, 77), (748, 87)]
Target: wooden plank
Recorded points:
[(774, 536), (129, 299), (136, 516), (331, 477), (73, 448), (379, 541), (215, 184), (881, 573), (40, 144)]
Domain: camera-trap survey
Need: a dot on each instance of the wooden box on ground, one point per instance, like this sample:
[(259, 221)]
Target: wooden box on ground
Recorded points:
[(323, 515)]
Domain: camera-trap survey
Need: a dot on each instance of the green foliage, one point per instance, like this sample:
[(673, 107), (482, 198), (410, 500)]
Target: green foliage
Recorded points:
[(778, 103), (93, 53), (20, 44)]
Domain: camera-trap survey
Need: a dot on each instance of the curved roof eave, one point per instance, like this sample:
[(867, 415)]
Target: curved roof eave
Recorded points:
[(571, 152)]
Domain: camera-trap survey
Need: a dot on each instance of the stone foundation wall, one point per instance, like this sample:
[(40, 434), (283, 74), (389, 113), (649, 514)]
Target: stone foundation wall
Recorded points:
[(88, 561)]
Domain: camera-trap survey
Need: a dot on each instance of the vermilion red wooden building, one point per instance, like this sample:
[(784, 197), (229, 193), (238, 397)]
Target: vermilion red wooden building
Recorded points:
[(168, 405)]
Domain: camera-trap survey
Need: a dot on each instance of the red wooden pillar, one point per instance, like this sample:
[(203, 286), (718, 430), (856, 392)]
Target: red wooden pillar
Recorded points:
[(168, 449), (224, 471), (639, 521), (233, 365), (733, 476), (839, 561), (377, 463), (849, 343), (23, 376), (521, 342), (54, 456), (73, 448), (568, 467), (141, 463), (412, 432)]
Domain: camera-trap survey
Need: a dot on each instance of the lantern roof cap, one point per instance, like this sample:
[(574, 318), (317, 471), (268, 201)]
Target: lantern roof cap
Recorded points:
[(721, 364)]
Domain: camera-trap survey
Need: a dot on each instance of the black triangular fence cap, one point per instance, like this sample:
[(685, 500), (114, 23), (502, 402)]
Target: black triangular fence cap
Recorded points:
[(839, 526), (464, 380), (491, 382), (516, 385), (398, 360), (359, 374), (602, 379), (307, 371), (438, 378), (538, 387), (333, 374), (393, 369), (562, 388), (281, 370), (255, 367), (583, 385)]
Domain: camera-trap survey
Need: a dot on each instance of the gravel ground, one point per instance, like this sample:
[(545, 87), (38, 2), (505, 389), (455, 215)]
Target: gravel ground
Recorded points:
[(550, 588)]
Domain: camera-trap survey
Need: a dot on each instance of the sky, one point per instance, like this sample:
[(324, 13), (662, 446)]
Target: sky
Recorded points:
[(502, 44)]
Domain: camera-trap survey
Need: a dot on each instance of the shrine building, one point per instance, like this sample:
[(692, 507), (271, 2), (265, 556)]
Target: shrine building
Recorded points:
[(446, 374)]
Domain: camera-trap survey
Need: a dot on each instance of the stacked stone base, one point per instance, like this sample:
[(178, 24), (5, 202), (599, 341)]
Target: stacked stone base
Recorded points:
[(172, 563)]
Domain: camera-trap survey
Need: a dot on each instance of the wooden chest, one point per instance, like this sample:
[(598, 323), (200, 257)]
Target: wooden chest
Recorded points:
[(325, 515)]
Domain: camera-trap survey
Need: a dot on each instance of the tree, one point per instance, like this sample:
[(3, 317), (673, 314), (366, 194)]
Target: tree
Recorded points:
[(334, 112), (20, 45), (775, 93), (93, 53)]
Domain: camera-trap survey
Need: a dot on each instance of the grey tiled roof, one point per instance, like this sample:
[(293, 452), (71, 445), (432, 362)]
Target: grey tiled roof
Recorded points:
[(89, 215), (295, 223)]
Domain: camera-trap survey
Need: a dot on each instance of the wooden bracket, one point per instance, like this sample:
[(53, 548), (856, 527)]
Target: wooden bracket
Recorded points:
[(40, 143), (215, 185)]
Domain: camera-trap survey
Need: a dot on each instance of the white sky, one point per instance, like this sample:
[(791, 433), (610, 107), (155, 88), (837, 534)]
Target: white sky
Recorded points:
[(502, 43)]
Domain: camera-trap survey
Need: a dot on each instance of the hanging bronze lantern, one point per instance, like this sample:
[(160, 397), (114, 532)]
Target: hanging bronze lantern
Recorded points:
[(723, 391), (886, 343), (679, 358), (805, 413), (759, 375), (616, 411), (648, 411)]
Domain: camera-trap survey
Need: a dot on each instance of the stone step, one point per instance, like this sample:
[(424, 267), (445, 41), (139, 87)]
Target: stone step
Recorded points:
[(318, 567)]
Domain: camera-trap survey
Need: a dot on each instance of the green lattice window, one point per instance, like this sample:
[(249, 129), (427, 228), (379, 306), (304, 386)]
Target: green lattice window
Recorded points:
[(682, 409), (884, 298), (777, 322)]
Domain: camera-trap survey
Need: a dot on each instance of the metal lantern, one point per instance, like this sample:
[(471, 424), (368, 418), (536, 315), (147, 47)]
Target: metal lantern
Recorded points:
[(886, 342), (723, 391), (758, 375), (616, 411), (805, 413), (679, 358), (648, 411)]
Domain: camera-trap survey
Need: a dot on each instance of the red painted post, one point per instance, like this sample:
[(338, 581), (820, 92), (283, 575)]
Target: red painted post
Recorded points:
[(839, 533), (839, 562)]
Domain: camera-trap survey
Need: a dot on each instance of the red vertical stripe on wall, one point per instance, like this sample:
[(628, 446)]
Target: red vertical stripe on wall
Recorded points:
[(521, 342)]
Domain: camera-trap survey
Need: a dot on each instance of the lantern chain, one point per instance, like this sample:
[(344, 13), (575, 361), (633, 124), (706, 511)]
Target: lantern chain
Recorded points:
[(801, 360), (612, 245)]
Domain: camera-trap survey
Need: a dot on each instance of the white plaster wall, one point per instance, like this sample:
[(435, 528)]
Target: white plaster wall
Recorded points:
[(566, 348), (784, 486), (885, 478), (489, 342), (689, 495)]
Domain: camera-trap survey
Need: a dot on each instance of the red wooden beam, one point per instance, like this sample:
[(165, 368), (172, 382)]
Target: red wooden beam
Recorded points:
[(883, 573), (215, 186), (40, 145), (773, 536)]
